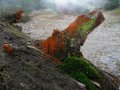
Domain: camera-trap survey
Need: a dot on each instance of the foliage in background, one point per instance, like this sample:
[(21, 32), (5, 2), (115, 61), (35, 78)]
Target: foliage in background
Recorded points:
[(112, 4)]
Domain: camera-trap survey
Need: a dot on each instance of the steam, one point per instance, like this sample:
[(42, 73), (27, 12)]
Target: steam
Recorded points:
[(78, 4), (10, 6)]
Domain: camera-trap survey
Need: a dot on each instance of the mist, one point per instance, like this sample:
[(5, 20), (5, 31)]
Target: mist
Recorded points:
[(10, 6), (78, 4)]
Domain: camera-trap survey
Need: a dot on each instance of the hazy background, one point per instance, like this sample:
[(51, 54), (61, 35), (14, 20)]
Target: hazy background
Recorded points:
[(9, 6)]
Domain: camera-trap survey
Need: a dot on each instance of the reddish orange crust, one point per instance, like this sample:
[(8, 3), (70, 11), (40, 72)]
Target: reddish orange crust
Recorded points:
[(8, 48), (55, 60), (82, 19), (53, 43), (72, 28), (58, 42), (50, 45), (19, 15)]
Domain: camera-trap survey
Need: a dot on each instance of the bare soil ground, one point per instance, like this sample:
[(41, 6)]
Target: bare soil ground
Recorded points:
[(102, 46)]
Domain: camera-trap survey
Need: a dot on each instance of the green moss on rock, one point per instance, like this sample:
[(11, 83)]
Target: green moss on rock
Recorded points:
[(81, 70), (16, 32), (86, 27), (81, 77), (75, 64)]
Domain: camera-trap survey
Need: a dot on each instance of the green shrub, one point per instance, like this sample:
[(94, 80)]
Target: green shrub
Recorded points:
[(75, 64)]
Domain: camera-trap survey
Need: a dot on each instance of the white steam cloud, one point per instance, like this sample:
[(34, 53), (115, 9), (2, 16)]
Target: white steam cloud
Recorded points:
[(70, 5), (79, 4)]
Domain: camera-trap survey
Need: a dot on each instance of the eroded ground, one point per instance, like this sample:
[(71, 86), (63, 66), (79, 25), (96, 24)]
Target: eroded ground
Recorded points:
[(102, 46)]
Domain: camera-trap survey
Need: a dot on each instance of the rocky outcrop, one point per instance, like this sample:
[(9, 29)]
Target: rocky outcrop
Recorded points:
[(28, 68), (69, 41), (13, 18)]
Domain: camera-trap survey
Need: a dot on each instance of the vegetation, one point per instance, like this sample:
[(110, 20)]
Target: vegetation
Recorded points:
[(17, 33), (75, 64), (84, 79), (81, 70), (116, 11), (112, 4)]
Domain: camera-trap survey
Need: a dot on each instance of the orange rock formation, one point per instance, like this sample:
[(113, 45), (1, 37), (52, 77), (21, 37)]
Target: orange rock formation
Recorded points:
[(61, 43)]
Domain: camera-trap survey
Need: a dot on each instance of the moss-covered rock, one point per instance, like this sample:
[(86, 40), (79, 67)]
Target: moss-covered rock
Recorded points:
[(86, 27), (16, 32), (81, 77), (75, 64), (81, 70)]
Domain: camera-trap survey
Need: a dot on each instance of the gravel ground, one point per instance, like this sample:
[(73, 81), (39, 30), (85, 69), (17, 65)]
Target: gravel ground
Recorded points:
[(43, 23), (102, 46)]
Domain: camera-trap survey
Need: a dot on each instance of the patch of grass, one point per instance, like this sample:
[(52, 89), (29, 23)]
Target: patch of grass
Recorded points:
[(116, 11)]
